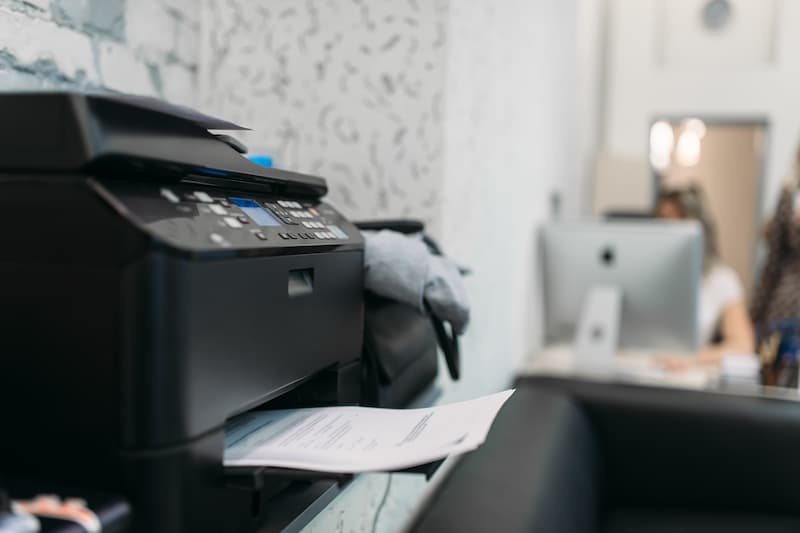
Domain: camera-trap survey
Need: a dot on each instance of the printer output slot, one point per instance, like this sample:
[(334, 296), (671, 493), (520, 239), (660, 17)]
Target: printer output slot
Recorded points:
[(262, 496), (267, 478), (267, 498), (320, 390)]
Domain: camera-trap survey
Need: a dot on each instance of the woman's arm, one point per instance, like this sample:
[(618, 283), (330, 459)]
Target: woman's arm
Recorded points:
[(737, 335)]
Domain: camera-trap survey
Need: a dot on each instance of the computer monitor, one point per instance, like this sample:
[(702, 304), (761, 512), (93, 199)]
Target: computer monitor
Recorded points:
[(622, 284)]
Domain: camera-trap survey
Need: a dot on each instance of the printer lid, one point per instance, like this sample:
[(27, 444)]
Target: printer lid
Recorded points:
[(148, 103), (110, 134)]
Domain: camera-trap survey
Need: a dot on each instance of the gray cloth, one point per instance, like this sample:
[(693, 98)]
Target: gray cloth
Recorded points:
[(402, 268)]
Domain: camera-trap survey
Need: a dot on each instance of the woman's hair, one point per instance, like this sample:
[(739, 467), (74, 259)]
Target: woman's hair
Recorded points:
[(691, 203)]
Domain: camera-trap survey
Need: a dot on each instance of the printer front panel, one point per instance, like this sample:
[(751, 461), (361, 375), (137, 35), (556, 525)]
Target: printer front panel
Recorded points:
[(218, 337), (242, 295), (208, 338), (202, 219)]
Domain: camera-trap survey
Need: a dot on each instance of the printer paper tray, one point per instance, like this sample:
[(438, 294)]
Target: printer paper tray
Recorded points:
[(265, 477)]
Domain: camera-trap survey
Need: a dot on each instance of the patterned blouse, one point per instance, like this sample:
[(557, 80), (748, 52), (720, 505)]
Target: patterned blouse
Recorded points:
[(777, 294)]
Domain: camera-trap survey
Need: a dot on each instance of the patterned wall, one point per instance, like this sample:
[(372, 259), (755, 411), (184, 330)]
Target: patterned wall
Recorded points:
[(347, 89), (136, 46)]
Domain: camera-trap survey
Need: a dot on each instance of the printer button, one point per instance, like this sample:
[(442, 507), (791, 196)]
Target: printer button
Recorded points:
[(217, 209), (243, 219), (171, 196), (203, 197), (232, 222), (224, 203), (260, 236), (283, 235), (292, 236)]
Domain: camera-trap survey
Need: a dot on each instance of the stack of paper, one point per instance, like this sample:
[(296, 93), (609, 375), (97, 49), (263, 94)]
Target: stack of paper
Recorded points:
[(359, 439), (745, 368)]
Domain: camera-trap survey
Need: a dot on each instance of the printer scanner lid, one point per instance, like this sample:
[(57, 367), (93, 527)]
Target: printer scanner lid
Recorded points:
[(133, 136)]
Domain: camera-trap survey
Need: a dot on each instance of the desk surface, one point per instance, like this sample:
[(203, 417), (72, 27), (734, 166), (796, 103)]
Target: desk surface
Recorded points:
[(627, 366), (639, 368)]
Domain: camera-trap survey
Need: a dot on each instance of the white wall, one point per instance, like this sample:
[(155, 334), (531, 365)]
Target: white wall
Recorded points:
[(663, 62), (510, 141)]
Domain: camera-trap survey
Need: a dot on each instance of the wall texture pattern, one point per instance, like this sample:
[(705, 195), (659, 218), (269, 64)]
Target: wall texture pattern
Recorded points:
[(139, 46), (347, 89)]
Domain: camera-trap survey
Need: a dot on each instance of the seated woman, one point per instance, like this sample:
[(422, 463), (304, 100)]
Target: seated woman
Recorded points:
[(724, 322)]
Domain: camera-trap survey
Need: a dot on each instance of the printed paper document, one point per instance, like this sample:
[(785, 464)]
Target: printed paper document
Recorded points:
[(359, 439)]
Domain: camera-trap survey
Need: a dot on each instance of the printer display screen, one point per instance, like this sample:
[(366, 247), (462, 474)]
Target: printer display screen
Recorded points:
[(258, 214)]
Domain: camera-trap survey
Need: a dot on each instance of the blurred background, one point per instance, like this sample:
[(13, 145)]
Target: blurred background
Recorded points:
[(483, 118)]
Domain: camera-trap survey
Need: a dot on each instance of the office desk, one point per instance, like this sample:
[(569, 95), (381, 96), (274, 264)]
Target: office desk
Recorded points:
[(628, 367), (637, 368)]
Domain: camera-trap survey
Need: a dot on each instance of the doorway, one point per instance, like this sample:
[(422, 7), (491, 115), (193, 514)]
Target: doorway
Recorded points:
[(726, 160)]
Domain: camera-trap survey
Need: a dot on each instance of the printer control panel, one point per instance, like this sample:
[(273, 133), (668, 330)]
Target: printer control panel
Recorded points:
[(198, 218)]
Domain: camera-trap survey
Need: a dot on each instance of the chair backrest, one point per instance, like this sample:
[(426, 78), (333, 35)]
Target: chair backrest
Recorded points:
[(670, 447)]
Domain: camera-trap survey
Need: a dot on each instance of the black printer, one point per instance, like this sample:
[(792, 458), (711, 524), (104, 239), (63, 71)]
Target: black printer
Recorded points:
[(155, 283)]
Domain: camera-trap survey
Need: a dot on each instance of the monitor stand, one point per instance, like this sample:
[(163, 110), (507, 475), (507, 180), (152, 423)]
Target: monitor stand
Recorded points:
[(598, 330)]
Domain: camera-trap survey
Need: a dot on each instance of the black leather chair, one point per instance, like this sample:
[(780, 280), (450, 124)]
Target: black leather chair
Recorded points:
[(573, 456)]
